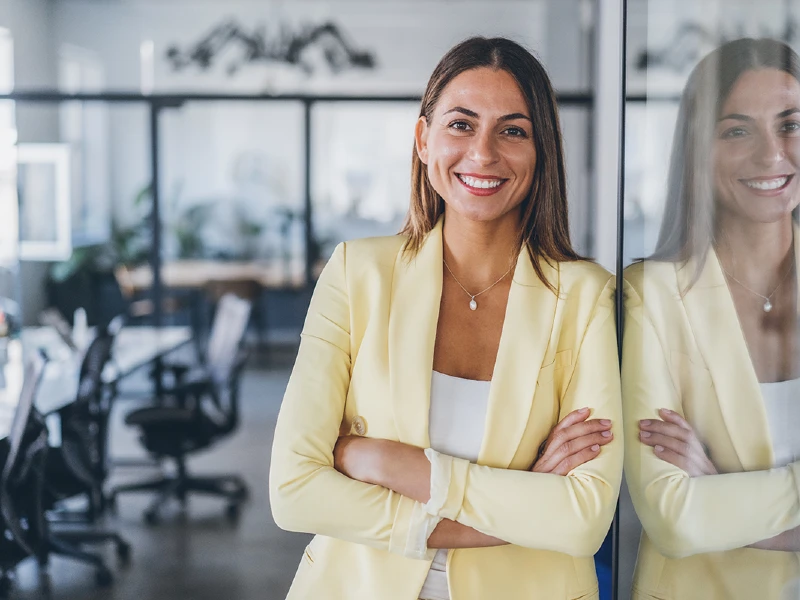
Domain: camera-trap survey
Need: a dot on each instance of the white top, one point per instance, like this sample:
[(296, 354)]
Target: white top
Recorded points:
[(456, 424), (782, 401)]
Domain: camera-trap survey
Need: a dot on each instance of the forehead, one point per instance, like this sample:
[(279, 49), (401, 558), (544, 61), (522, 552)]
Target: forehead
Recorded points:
[(763, 90), (485, 91)]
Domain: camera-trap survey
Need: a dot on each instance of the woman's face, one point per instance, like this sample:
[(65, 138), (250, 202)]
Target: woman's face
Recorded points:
[(757, 147), (478, 145)]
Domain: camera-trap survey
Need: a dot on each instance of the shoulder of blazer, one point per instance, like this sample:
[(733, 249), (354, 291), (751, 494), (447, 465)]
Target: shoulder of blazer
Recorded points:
[(372, 255), (658, 278), (585, 279)]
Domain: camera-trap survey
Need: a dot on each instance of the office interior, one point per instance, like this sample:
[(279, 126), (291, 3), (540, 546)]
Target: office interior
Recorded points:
[(176, 173)]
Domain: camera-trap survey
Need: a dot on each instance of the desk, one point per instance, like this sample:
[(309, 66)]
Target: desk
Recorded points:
[(134, 347), (197, 274)]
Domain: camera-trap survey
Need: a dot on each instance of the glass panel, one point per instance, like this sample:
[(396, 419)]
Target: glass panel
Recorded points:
[(361, 164), (711, 300)]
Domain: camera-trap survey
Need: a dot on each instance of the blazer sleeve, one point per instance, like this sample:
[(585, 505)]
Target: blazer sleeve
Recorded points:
[(685, 515), (306, 493), (569, 514)]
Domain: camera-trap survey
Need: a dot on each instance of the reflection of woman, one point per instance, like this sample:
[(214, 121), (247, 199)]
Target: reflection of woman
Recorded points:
[(711, 365), (478, 336)]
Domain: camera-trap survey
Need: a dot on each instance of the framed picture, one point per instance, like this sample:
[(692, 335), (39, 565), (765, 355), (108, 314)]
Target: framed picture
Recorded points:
[(43, 191)]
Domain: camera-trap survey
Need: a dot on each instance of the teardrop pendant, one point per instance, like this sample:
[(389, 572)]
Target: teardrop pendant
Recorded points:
[(767, 306), (474, 305)]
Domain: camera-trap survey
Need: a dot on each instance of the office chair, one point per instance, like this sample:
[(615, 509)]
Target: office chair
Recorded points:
[(199, 408), (22, 524), (79, 466)]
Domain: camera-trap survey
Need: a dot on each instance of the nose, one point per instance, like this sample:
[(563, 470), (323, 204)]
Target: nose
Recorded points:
[(769, 150), (483, 150)]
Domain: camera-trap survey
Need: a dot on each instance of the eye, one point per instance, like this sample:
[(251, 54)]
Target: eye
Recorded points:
[(515, 132), (734, 132), (790, 127), (460, 126)]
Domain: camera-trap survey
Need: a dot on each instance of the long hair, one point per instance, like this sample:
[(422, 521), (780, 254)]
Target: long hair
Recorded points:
[(545, 223), (687, 228)]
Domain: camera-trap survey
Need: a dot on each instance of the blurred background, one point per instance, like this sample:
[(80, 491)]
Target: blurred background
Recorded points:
[(190, 166)]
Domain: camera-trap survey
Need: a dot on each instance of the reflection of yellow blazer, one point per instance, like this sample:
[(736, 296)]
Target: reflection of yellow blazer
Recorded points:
[(366, 358), (688, 354)]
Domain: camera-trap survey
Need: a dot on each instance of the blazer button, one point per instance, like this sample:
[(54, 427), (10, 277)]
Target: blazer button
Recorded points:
[(359, 426)]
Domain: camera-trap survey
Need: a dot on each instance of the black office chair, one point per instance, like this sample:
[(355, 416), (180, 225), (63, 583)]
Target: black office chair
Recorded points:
[(22, 524), (78, 467), (200, 407)]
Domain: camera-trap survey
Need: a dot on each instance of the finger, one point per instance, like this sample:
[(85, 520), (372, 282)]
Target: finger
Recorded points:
[(675, 445), (576, 416), (672, 417), (578, 430), (664, 428), (556, 455), (576, 460), (676, 459)]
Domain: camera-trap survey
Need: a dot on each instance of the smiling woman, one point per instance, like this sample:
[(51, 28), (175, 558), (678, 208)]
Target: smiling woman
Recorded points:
[(448, 429), (711, 359)]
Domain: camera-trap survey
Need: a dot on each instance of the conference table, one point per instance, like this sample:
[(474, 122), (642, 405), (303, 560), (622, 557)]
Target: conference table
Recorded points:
[(134, 347)]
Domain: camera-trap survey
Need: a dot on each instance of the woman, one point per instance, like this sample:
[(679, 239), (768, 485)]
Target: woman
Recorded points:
[(459, 362), (711, 369)]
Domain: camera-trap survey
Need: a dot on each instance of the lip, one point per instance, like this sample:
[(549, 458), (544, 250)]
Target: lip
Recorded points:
[(481, 191), (769, 193)]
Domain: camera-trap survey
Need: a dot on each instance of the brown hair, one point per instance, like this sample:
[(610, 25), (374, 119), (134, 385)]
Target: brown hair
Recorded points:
[(545, 221), (687, 228)]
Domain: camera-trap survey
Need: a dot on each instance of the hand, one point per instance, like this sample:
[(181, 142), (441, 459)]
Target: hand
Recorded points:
[(674, 441), (356, 457), (573, 442)]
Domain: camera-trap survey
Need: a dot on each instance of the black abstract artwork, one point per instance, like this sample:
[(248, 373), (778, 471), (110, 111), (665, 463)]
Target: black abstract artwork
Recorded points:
[(300, 48), (691, 41)]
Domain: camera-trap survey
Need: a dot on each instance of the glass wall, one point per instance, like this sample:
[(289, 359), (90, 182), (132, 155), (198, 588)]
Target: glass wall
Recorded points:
[(711, 360)]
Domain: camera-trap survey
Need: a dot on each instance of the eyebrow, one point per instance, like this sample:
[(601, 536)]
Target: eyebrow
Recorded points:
[(474, 115), (738, 117)]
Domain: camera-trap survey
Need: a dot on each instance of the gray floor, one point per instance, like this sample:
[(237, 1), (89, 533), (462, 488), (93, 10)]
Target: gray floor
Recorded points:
[(200, 555)]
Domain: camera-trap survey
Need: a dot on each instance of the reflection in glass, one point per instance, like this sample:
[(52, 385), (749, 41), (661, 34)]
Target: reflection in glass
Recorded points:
[(711, 363)]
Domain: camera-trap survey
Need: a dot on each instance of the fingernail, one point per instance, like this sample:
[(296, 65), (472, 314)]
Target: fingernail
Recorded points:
[(606, 434), (659, 448), (645, 422), (645, 434), (584, 409), (666, 411), (595, 448), (605, 421)]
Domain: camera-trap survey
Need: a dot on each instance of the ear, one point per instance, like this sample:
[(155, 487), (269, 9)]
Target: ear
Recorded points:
[(421, 139)]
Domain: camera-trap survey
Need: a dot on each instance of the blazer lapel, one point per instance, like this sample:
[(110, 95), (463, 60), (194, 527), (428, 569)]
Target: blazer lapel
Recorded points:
[(527, 328), (715, 323), (413, 318)]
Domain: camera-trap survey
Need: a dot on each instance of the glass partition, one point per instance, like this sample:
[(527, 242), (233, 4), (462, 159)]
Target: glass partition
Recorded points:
[(711, 359)]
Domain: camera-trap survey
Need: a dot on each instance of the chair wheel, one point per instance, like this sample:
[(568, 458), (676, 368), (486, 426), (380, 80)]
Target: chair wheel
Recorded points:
[(124, 552), (151, 517), (233, 512), (103, 577)]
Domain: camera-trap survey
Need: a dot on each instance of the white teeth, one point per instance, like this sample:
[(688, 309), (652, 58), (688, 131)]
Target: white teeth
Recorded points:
[(480, 183), (767, 184)]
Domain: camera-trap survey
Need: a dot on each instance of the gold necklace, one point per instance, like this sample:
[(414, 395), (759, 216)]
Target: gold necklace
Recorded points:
[(767, 299), (473, 305)]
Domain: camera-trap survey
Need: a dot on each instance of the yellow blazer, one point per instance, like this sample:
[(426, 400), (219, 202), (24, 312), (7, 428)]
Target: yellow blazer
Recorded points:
[(365, 364), (688, 353)]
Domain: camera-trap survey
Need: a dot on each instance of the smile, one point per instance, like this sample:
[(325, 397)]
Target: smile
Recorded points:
[(481, 186), (768, 185)]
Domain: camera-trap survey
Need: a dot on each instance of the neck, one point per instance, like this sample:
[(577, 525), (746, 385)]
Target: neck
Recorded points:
[(756, 253), (479, 252)]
